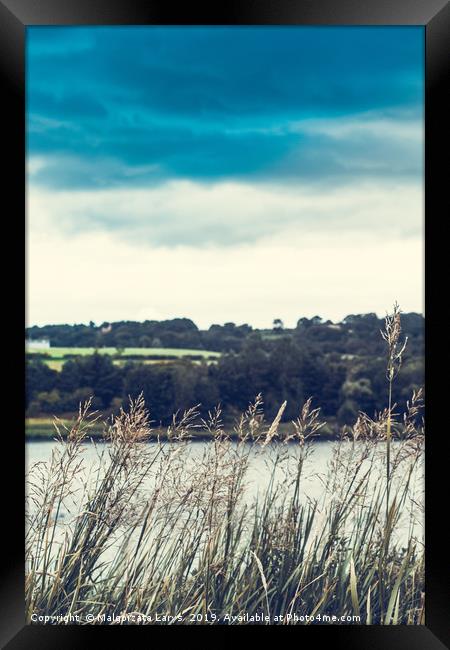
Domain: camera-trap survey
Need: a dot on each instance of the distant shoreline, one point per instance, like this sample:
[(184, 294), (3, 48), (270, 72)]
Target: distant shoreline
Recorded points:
[(42, 430)]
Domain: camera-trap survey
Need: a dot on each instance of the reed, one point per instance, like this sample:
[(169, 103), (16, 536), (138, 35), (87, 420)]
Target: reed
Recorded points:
[(160, 532), (391, 334)]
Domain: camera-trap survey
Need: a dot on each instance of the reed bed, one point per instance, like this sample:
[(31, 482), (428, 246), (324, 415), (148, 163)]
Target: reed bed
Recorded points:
[(153, 535)]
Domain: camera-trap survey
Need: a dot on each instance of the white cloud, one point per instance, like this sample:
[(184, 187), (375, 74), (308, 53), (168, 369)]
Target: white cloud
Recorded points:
[(384, 128), (227, 213), (329, 253)]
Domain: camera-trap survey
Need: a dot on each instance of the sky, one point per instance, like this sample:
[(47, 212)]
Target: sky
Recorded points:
[(223, 173)]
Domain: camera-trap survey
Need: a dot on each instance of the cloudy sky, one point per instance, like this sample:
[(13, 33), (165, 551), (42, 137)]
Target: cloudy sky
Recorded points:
[(223, 174)]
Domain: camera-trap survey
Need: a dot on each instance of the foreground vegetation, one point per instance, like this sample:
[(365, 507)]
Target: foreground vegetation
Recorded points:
[(151, 537)]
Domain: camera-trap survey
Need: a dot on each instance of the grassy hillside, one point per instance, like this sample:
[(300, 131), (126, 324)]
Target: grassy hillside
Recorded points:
[(44, 429), (60, 353), (55, 357)]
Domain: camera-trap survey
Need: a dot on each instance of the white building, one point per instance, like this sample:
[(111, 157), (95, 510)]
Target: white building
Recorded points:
[(37, 344)]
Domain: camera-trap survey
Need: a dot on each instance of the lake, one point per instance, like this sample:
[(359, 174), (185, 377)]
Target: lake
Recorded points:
[(316, 475)]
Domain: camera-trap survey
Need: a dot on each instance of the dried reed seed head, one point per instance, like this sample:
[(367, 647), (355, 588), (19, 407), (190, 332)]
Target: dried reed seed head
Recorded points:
[(181, 426), (391, 334), (130, 426), (307, 424), (273, 429)]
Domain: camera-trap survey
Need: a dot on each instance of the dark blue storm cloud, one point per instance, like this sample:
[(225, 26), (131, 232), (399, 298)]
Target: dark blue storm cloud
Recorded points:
[(136, 106)]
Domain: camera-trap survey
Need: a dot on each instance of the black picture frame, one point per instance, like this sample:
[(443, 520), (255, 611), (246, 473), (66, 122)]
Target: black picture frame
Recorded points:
[(15, 16)]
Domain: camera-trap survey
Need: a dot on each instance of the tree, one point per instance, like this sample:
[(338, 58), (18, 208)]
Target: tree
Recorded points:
[(278, 325), (96, 371), (359, 392), (157, 384), (39, 378), (347, 413)]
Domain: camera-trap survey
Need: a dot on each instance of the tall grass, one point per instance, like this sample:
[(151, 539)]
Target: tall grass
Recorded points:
[(153, 532)]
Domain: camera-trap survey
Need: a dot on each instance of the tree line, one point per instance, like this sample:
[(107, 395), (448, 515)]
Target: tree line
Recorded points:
[(341, 366), (174, 333)]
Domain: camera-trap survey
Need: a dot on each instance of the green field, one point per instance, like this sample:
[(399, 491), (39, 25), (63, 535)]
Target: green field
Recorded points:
[(60, 353), (44, 429), (55, 358)]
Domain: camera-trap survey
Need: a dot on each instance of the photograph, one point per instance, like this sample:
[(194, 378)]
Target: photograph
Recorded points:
[(223, 227), (225, 325)]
